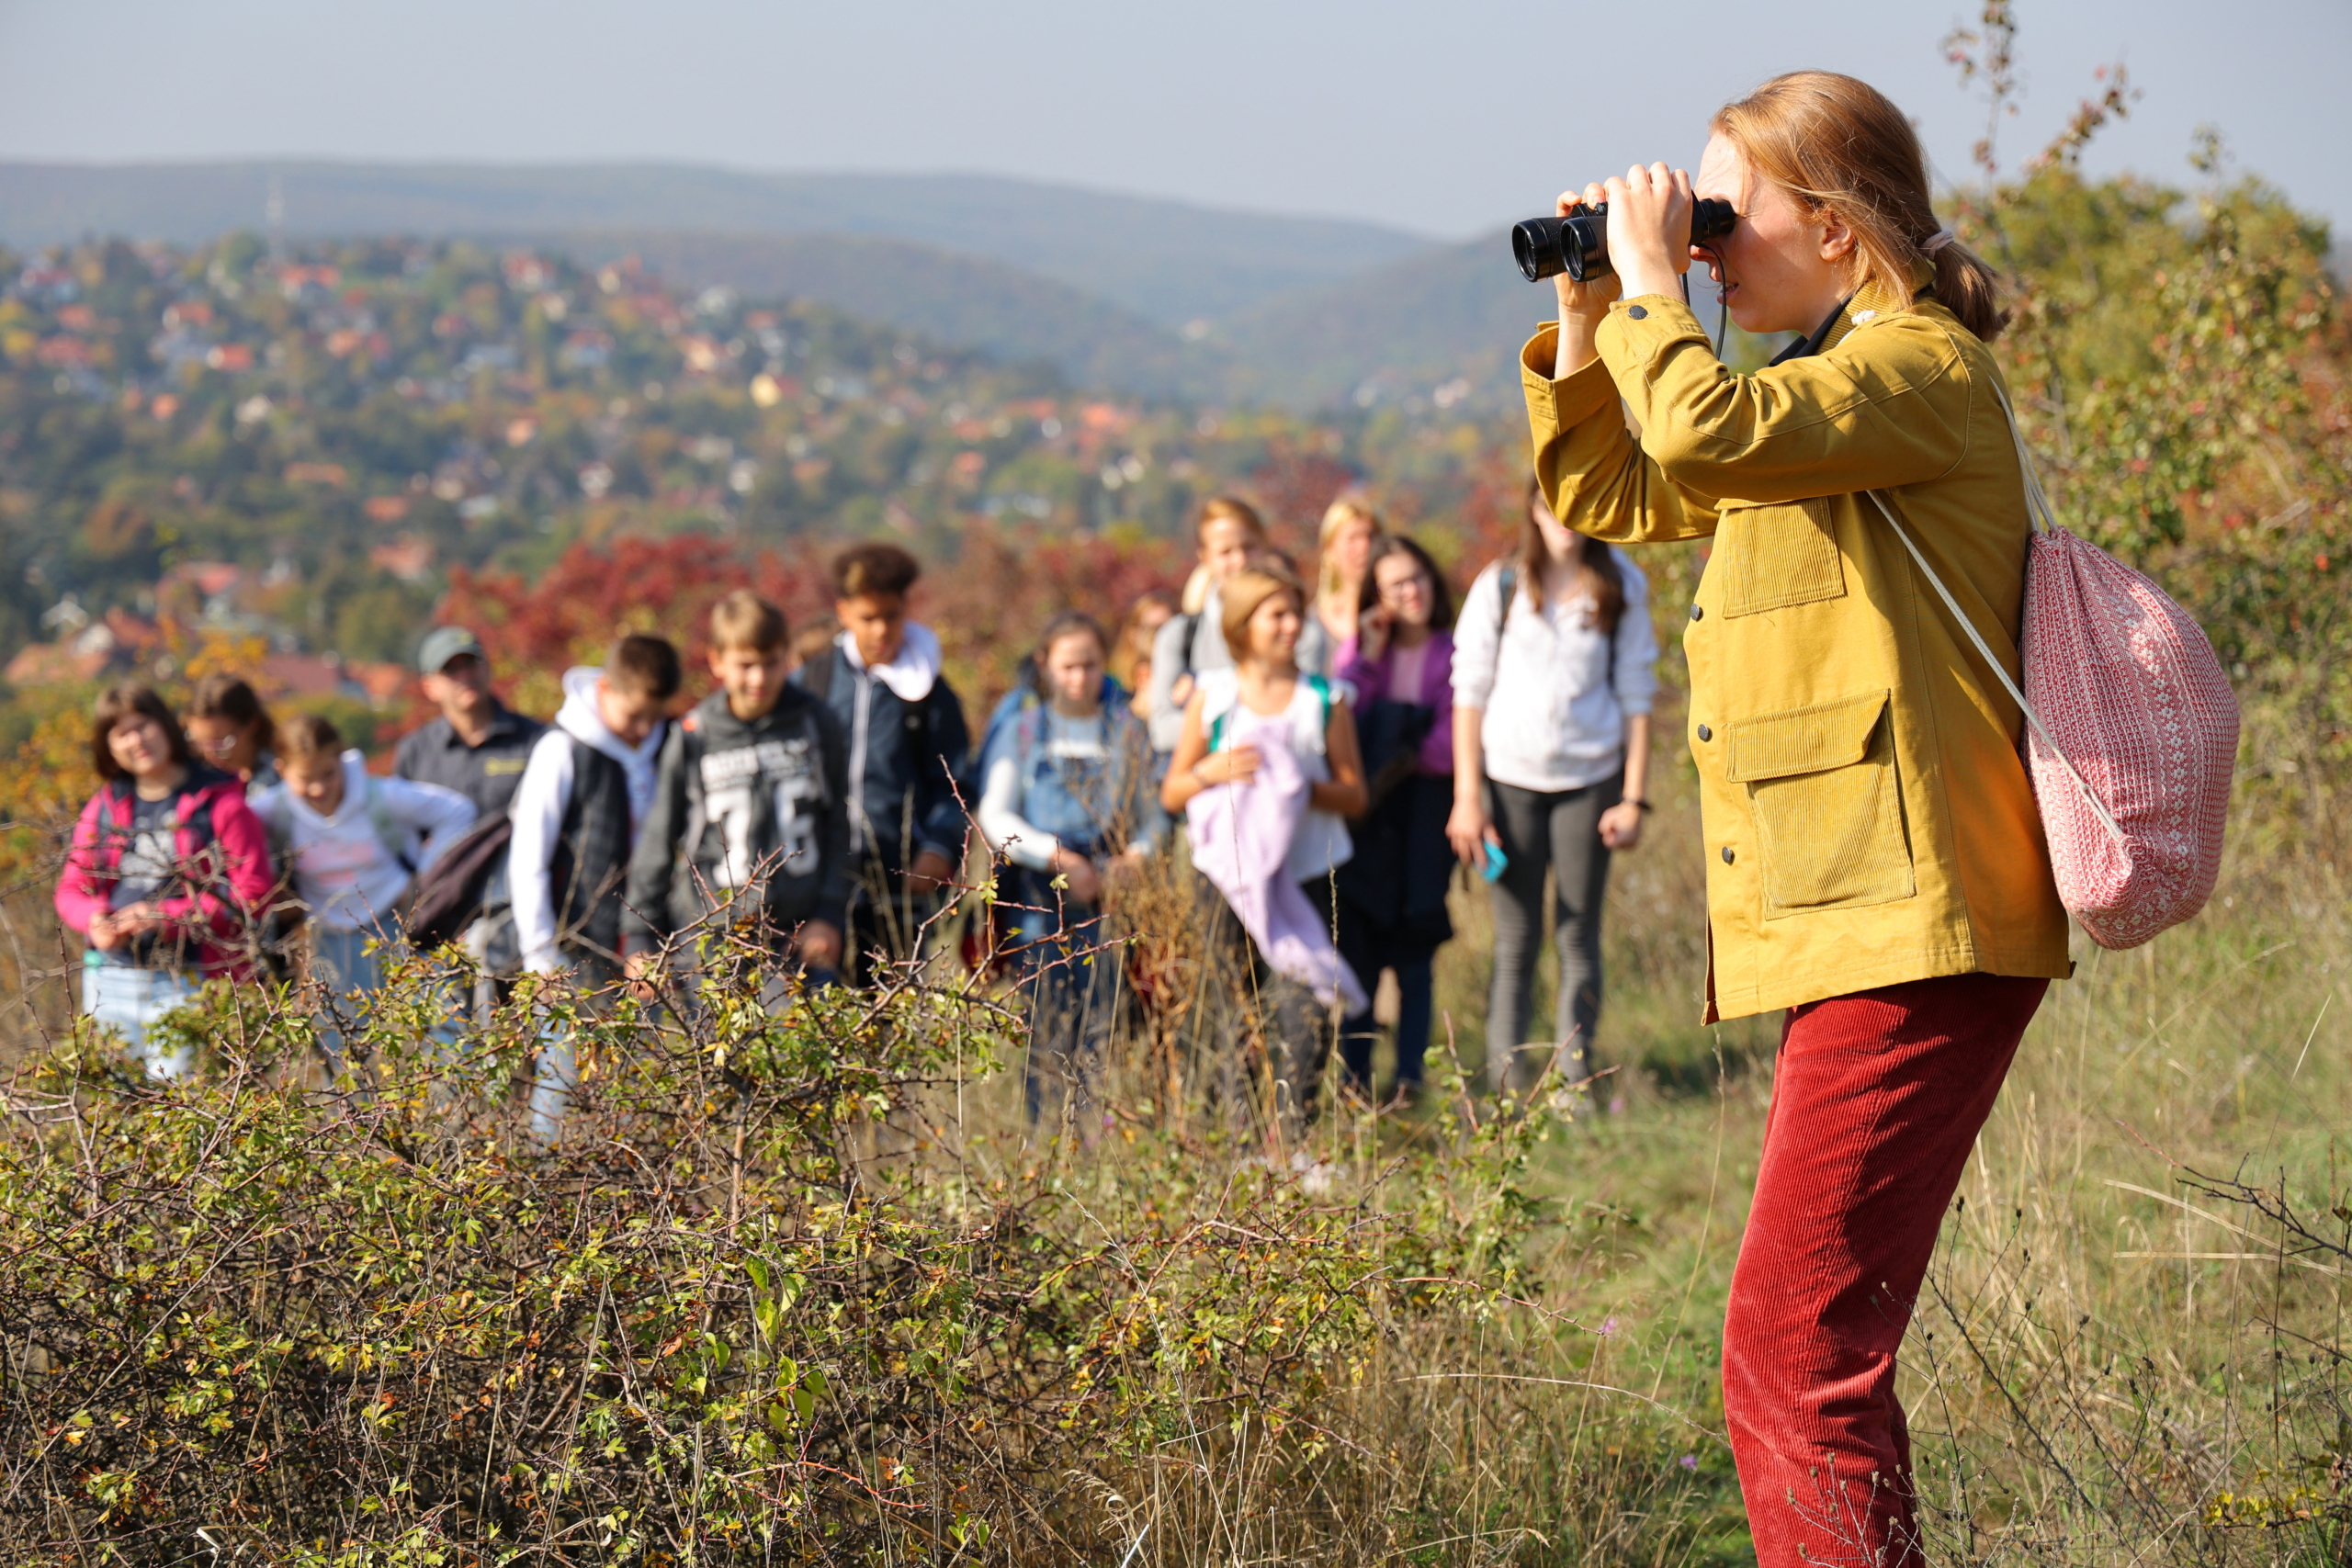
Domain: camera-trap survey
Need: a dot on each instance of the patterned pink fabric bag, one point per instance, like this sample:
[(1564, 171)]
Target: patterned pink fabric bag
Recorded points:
[(2131, 729)]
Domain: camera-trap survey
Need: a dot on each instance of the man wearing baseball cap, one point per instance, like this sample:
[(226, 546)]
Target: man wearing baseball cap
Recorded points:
[(477, 747)]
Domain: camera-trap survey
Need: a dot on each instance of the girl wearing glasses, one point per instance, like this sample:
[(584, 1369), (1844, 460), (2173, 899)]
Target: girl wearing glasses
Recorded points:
[(228, 728), (1391, 911)]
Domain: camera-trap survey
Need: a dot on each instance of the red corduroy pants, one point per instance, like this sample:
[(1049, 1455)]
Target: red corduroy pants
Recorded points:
[(1876, 1101)]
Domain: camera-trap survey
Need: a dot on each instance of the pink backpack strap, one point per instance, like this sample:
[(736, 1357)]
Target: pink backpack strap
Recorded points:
[(2000, 672)]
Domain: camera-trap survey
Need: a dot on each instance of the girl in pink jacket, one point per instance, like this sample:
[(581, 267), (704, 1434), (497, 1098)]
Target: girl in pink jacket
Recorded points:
[(166, 876)]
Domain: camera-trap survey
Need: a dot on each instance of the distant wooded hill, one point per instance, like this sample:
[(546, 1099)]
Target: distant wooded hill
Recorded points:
[(1117, 291)]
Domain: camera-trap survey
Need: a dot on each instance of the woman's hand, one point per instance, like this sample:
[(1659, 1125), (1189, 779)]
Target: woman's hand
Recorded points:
[(1649, 229), (111, 929), (929, 871), (1621, 826), (817, 944), (1372, 627), (1469, 832), (1588, 301), (638, 970), (1237, 766)]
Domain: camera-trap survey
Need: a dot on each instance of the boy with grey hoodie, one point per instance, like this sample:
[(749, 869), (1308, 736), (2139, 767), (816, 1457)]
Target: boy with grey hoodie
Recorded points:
[(750, 819)]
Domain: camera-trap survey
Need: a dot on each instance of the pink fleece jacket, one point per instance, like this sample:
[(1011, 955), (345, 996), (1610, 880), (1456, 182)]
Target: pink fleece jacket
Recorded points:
[(222, 876)]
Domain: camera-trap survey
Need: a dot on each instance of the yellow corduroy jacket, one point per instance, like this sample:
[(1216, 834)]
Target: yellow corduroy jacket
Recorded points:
[(1868, 818)]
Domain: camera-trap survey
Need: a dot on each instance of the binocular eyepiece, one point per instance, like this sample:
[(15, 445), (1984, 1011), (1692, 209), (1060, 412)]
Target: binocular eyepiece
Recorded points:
[(1578, 244)]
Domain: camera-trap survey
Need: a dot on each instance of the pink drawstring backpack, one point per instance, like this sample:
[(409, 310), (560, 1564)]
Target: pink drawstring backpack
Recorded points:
[(2131, 728)]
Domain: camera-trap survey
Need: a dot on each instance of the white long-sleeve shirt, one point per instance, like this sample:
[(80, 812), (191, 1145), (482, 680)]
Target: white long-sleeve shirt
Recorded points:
[(1008, 832), (543, 797), (1555, 693), (999, 813), (344, 872)]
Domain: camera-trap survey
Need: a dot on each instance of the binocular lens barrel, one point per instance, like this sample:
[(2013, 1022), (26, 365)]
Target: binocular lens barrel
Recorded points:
[(1578, 244)]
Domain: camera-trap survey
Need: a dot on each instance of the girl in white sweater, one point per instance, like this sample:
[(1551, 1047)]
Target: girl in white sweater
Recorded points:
[(1554, 665), (349, 844)]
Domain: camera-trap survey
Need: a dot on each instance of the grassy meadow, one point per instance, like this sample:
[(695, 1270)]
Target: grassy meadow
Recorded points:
[(806, 1287), (812, 1289)]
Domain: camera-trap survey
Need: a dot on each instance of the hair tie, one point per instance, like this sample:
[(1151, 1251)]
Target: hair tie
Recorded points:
[(1937, 240)]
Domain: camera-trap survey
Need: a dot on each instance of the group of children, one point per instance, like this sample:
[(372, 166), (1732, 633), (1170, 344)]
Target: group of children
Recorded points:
[(816, 808), (1338, 755), (1331, 754)]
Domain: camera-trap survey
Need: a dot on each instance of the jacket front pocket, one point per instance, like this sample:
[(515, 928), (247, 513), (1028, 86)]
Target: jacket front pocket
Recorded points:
[(1820, 781), (1780, 556)]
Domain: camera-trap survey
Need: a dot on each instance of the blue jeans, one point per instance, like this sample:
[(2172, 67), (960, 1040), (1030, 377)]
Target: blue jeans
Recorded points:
[(555, 1075), (129, 1000), (341, 961), (344, 965), (1072, 991)]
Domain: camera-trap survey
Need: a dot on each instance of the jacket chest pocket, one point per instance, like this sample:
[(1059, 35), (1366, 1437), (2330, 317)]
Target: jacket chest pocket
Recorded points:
[(1828, 807), (1774, 556)]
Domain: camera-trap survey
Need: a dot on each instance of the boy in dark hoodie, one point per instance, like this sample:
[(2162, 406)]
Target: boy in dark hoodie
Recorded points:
[(750, 818), (909, 750), (577, 811)]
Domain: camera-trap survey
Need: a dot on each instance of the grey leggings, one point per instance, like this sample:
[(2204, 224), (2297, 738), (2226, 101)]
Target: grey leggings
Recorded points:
[(1560, 832)]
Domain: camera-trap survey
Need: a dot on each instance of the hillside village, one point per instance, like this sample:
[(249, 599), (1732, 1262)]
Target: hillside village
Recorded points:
[(298, 444)]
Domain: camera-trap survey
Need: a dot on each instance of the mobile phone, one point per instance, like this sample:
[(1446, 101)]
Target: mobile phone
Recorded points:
[(1496, 861)]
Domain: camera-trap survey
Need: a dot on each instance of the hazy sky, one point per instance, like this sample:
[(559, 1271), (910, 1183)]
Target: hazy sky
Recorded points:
[(1441, 118)]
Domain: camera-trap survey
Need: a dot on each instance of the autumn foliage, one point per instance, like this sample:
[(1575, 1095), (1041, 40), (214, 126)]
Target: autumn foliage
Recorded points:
[(985, 604)]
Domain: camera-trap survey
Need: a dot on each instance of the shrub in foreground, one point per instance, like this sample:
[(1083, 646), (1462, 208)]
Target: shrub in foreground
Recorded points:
[(766, 1298)]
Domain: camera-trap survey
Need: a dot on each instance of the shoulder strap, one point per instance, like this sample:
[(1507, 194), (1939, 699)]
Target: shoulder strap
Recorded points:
[(196, 819), (389, 833), (1506, 585), (278, 822), (2037, 515), (1216, 721), (819, 677), (1028, 727), (1322, 690)]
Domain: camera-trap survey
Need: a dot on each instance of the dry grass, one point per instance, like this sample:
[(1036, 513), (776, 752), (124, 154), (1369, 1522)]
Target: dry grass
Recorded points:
[(2117, 1363)]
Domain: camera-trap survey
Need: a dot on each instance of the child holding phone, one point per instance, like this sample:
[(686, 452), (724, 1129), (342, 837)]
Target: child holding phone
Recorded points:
[(1553, 671)]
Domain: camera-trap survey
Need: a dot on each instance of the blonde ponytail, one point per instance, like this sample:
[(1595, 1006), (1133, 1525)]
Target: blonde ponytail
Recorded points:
[(1967, 286)]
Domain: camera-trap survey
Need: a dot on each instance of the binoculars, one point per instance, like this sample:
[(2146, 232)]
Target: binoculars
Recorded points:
[(1578, 244)]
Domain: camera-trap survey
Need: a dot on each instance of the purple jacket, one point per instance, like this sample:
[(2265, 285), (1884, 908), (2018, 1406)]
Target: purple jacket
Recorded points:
[(1369, 677)]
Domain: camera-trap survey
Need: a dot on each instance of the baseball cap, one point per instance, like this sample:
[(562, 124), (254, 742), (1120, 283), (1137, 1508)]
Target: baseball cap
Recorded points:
[(444, 643)]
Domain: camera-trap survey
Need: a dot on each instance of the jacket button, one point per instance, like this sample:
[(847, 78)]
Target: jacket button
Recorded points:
[(1705, 734), (1639, 312), (1697, 614), (1727, 854)]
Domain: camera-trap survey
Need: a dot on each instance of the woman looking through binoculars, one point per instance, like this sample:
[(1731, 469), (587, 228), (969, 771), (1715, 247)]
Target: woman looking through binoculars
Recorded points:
[(1875, 865)]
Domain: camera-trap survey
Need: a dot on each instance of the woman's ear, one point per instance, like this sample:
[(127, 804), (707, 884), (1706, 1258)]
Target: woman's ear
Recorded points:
[(1837, 239)]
